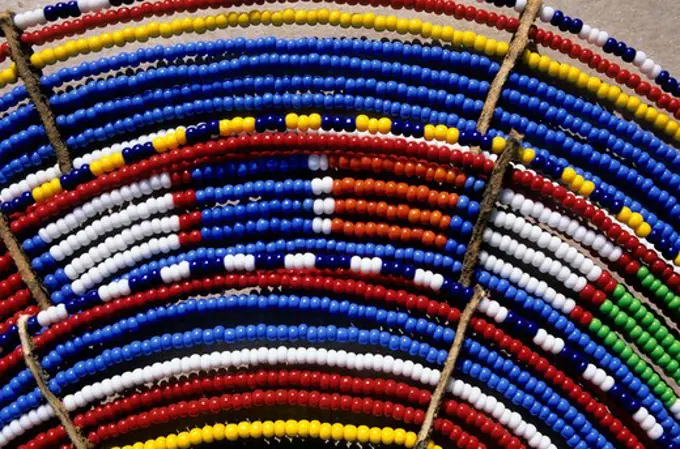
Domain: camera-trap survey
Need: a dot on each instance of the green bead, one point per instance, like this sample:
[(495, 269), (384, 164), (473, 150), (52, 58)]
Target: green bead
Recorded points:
[(643, 338), (620, 319), (642, 369), (656, 353), (660, 334), (614, 310), (640, 313), (642, 272), (618, 292), (610, 339), (630, 324), (607, 307), (676, 376), (647, 281), (659, 389), (674, 349), (661, 291), (675, 303), (595, 325), (626, 352), (633, 359), (654, 326), (673, 365), (619, 346), (655, 285), (666, 360), (668, 398), (603, 331), (634, 306), (625, 301), (636, 332), (647, 319)]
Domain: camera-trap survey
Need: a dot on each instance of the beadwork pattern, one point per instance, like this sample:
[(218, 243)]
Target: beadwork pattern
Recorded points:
[(272, 230)]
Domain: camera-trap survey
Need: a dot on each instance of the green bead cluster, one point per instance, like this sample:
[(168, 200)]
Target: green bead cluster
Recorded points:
[(634, 362), (659, 290)]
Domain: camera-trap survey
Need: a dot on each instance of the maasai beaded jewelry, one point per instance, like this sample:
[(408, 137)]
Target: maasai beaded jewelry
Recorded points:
[(330, 182)]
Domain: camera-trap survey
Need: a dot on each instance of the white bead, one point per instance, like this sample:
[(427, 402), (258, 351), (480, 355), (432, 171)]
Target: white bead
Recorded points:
[(546, 13), (656, 432), (640, 57), (602, 38)]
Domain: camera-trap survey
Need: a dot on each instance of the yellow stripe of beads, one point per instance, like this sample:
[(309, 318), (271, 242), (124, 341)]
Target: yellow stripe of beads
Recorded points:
[(466, 39), (291, 428)]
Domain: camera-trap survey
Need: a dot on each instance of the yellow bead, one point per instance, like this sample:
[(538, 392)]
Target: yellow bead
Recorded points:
[(196, 436), (325, 431), (303, 123), (84, 47), (436, 32), (224, 127), (544, 63), (96, 168), (651, 114), (635, 220), (291, 428), (138, 445), (160, 443), (256, 429), (480, 43), (368, 20), (593, 84), (249, 124), (491, 47), (426, 30), (391, 23), (350, 433), (380, 23), (603, 91), (152, 28), (677, 260), (48, 56), (207, 434), (469, 39), (141, 35), (181, 135), (243, 429), (312, 18), (643, 230), (410, 439), (171, 441), (314, 428), (428, 132), (384, 125), (337, 431), (303, 428), (387, 436), (621, 101), (291, 121), (301, 17), (568, 175), (415, 26), (279, 428), (37, 194), (573, 75), (452, 136), (323, 15), (527, 155), (402, 26), (345, 20), (624, 215), (534, 59), (373, 126), (502, 49), (563, 72), (633, 103), (671, 128), (37, 61), (166, 30), (587, 188), (236, 125), (641, 111), (399, 437), (362, 122), (221, 21), (554, 69), (314, 121), (60, 53), (497, 145), (363, 434), (267, 429), (357, 21), (55, 185), (577, 183), (231, 432), (613, 94), (440, 133), (183, 441), (447, 33), (375, 436), (199, 25), (218, 431)]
